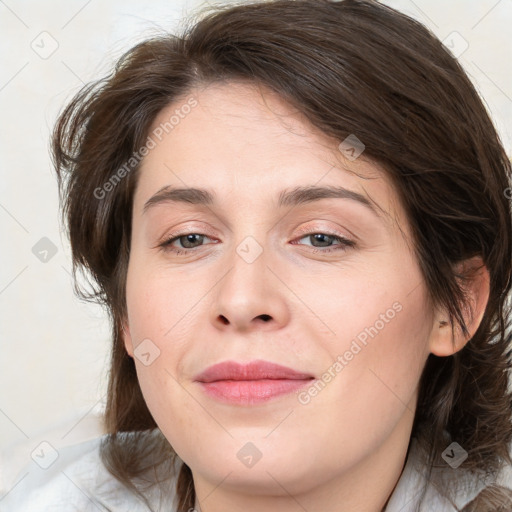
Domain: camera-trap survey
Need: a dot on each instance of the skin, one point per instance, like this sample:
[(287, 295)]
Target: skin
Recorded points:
[(245, 144)]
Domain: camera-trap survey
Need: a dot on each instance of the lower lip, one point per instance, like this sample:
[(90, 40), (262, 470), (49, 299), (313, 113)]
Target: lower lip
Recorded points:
[(248, 392)]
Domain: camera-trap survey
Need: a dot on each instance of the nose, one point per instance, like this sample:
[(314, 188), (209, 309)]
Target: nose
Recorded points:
[(250, 295)]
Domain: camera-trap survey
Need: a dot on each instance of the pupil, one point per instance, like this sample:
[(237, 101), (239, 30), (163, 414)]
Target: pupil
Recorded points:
[(321, 235), (190, 238)]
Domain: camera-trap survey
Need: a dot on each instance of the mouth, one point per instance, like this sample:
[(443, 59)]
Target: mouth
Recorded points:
[(252, 383)]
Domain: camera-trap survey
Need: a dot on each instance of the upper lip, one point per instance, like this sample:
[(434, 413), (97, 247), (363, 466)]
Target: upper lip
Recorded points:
[(254, 370)]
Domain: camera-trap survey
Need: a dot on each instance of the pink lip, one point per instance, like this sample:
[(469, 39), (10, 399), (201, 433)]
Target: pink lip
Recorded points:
[(252, 383)]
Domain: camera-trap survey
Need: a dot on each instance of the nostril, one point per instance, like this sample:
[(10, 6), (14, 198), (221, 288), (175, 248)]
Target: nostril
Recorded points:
[(265, 318), (224, 320)]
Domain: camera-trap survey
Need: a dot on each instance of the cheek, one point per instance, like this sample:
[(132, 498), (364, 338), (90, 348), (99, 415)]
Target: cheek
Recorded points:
[(372, 386), (160, 319), (160, 304), (371, 316), (379, 324), (397, 354), (382, 359), (170, 405)]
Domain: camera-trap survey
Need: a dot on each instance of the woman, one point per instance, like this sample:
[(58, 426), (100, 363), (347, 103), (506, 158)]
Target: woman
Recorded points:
[(297, 215)]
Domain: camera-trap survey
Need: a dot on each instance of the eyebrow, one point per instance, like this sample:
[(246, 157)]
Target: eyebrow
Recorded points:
[(287, 197)]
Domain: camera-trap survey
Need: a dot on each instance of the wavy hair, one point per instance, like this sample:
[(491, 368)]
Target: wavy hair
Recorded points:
[(350, 66)]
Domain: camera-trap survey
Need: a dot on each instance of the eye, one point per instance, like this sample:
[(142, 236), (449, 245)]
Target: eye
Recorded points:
[(325, 240), (188, 241), (319, 241)]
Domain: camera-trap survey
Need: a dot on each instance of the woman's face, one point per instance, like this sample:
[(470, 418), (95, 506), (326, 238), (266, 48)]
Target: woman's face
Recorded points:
[(321, 282)]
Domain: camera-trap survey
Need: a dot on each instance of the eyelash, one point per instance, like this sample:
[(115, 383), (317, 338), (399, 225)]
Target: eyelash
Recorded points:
[(344, 242)]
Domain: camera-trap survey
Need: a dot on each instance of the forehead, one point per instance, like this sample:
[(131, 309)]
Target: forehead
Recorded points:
[(248, 144)]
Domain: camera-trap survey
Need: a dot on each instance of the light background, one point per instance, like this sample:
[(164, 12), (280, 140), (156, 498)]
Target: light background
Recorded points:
[(53, 348)]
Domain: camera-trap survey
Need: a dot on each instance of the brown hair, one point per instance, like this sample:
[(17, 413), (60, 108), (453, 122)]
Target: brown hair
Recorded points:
[(351, 67)]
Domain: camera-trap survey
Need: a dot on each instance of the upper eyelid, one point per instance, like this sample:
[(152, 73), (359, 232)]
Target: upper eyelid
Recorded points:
[(308, 229)]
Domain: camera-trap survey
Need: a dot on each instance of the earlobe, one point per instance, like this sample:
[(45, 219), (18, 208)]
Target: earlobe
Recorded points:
[(127, 338), (475, 283)]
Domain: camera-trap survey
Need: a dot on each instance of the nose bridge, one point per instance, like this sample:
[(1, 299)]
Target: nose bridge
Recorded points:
[(246, 280), (246, 293), (249, 253)]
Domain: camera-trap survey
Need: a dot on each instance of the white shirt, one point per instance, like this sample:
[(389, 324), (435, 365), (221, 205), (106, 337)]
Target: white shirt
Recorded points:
[(78, 481)]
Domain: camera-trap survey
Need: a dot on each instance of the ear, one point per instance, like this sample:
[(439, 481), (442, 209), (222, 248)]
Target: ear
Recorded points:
[(476, 289), (127, 338)]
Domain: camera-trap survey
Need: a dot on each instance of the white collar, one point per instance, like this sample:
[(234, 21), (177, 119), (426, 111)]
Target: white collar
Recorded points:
[(414, 493)]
